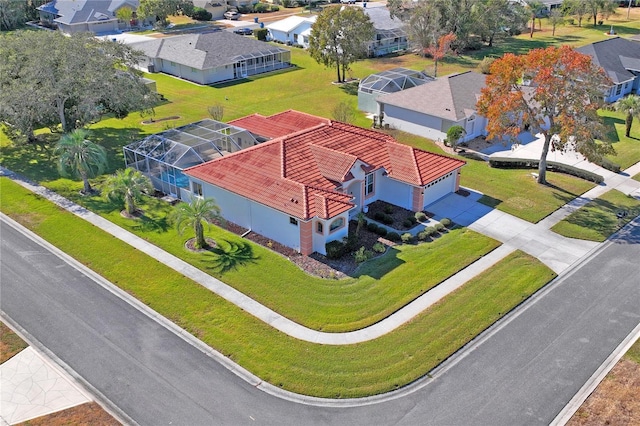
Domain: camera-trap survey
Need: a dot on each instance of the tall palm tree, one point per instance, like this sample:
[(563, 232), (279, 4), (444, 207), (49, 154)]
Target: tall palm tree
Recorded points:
[(535, 9), (195, 214), (630, 105), (128, 185), (80, 157)]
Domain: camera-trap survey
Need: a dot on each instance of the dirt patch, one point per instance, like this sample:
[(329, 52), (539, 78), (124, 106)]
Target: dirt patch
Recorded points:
[(615, 401), (10, 343), (191, 245), (158, 120), (90, 414)]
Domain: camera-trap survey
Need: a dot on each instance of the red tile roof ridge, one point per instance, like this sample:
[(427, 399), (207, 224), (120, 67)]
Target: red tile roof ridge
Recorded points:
[(289, 111), (255, 114)]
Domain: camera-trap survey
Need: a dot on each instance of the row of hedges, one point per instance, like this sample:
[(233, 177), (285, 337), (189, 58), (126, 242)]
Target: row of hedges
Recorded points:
[(259, 8), (526, 163)]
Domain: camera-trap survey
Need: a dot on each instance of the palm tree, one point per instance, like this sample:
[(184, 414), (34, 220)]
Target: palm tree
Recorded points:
[(535, 9), (629, 105), (128, 184), (80, 157), (195, 214)]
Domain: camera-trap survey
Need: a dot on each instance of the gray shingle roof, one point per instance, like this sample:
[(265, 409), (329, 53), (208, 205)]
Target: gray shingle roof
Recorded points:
[(80, 11), (205, 51), (616, 56), (452, 97), (381, 19)]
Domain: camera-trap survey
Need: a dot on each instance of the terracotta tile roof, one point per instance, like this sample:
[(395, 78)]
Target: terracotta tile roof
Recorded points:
[(278, 125), (299, 174)]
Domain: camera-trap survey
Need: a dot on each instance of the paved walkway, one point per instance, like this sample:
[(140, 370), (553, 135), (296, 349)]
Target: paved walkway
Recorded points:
[(33, 387)]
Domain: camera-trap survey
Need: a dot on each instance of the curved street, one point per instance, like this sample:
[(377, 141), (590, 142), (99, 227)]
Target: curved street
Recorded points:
[(523, 371)]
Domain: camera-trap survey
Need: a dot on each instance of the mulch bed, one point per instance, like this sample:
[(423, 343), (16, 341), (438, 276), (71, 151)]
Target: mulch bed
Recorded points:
[(399, 214), (315, 264)]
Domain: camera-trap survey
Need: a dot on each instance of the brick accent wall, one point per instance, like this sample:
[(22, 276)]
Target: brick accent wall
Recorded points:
[(417, 199), (306, 237)]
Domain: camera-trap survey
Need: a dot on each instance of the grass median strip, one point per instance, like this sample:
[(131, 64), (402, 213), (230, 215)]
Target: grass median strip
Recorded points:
[(599, 218), (373, 367)]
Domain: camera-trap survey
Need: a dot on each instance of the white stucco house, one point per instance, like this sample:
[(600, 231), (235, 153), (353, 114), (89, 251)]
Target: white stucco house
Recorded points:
[(301, 189), (620, 59), (210, 58), (96, 16), (390, 34), (429, 110), (291, 30)]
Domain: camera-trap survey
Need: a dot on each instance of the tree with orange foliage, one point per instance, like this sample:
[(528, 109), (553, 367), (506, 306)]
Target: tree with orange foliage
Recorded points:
[(440, 49), (555, 92)]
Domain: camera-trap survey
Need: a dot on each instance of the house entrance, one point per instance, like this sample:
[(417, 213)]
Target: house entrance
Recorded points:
[(240, 69)]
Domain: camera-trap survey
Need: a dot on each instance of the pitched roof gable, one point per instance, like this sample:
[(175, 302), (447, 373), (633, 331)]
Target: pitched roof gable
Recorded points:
[(277, 125), (616, 56), (298, 173), (450, 97)]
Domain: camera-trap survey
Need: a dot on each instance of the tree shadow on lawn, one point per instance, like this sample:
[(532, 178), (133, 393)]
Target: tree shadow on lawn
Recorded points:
[(350, 88), (228, 255), (610, 124), (603, 217), (379, 267), (490, 201), (150, 224)]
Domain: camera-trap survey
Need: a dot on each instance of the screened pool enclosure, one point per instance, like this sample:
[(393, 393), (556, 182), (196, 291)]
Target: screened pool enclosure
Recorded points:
[(163, 156), (384, 82)]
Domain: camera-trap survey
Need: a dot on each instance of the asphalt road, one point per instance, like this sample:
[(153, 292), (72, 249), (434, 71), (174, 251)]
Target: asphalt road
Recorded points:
[(523, 372)]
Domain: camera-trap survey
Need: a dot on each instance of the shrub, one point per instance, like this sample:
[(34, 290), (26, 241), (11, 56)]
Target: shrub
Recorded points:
[(407, 223), (438, 227), (420, 216), (379, 248), (406, 237), (485, 65), (261, 34), (274, 8), (260, 7), (288, 3), (373, 227), (570, 21), (351, 243), (605, 163), (335, 249), (388, 208), (393, 236), (381, 231), (524, 163), (379, 216), (361, 254), (422, 236), (245, 9), (387, 220), (200, 14), (445, 222), (430, 230)]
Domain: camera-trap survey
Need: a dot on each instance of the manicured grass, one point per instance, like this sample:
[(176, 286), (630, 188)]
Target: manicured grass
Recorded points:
[(627, 148), (516, 192), (357, 370), (381, 286), (10, 343), (634, 352), (597, 220), (637, 177)]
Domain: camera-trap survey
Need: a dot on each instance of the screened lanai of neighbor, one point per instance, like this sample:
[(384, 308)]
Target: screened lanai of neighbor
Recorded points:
[(163, 156), (384, 82)]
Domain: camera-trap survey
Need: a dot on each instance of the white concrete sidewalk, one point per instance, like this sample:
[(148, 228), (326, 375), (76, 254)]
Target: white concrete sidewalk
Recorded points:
[(33, 387)]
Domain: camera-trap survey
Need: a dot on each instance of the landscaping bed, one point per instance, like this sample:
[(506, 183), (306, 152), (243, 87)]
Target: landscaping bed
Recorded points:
[(393, 216)]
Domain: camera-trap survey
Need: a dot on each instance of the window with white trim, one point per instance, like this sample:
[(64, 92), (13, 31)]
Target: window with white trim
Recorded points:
[(618, 89), (319, 228), (369, 184)]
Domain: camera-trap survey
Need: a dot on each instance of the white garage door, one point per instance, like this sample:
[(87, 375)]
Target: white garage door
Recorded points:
[(438, 189)]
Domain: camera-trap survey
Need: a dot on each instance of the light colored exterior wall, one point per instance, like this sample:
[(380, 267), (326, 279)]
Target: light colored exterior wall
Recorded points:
[(321, 239), (625, 89), (103, 26), (413, 122), (394, 192), (280, 36)]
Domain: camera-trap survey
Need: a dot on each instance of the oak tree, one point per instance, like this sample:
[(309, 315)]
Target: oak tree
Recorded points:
[(555, 92)]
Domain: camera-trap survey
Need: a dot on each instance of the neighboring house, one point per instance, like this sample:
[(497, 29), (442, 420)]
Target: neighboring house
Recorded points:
[(211, 57), (390, 81), (620, 59), (216, 8), (301, 189), (390, 34), (96, 16), (162, 157), (431, 109), (291, 30)]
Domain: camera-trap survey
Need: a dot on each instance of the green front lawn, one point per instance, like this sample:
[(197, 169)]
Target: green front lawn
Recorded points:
[(381, 286), (373, 367), (627, 148), (598, 219)]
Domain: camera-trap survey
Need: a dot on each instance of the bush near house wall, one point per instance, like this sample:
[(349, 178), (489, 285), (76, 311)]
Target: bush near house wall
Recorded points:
[(527, 163), (261, 34)]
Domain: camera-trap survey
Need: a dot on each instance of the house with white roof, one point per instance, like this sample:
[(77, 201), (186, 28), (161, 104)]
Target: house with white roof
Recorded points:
[(210, 58), (96, 16), (291, 30)]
